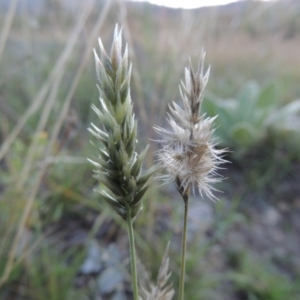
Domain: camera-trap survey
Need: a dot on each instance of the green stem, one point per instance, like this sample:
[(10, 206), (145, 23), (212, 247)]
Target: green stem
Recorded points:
[(132, 255), (183, 249)]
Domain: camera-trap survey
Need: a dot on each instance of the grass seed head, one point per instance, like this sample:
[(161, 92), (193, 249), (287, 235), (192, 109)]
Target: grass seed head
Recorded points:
[(118, 166), (188, 151), (162, 290)]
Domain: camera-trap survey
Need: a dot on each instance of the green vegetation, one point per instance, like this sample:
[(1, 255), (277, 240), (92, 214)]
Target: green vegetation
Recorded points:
[(248, 119), (246, 246), (255, 279)]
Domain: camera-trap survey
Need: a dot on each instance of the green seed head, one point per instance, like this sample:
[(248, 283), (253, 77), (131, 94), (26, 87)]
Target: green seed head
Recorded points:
[(119, 167)]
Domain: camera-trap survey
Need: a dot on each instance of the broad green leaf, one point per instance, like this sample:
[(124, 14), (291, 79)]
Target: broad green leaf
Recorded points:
[(244, 134), (249, 91), (285, 112), (247, 98), (267, 97), (209, 106)]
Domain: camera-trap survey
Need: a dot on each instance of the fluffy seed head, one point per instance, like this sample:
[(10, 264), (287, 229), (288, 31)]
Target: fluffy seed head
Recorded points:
[(188, 152)]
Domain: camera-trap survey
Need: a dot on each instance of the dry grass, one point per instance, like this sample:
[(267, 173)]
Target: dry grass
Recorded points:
[(36, 103)]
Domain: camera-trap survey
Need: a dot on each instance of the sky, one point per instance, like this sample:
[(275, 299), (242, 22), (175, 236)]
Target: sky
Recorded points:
[(189, 3)]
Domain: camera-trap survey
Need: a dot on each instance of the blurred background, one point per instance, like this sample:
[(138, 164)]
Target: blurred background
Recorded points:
[(58, 239)]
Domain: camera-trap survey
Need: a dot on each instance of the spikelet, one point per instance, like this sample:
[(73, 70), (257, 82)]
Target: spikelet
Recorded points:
[(118, 166), (162, 290), (188, 152)]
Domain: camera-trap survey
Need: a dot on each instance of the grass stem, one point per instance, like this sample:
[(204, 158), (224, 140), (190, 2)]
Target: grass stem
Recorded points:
[(132, 254), (183, 249)]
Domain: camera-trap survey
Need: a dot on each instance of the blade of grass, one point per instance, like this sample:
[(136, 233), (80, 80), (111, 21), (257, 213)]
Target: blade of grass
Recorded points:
[(44, 166), (38, 100), (33, 149), (7, 26)]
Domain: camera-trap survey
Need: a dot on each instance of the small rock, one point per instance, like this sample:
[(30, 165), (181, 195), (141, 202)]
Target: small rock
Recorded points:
[(110, 280), (92, 263), (119, 295), (271, 217)]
